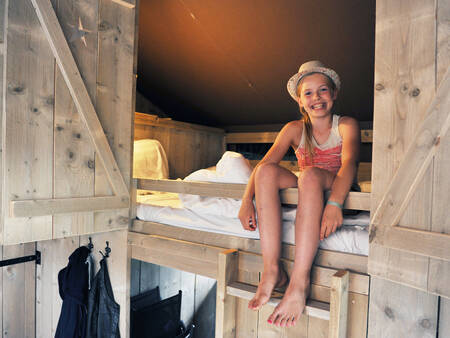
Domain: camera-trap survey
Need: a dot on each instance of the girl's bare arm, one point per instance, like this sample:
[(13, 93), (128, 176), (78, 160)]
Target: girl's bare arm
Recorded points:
[(332, 215), (351, 140)]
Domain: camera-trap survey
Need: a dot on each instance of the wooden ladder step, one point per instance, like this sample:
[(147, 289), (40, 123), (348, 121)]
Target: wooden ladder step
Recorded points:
[(313, 308)]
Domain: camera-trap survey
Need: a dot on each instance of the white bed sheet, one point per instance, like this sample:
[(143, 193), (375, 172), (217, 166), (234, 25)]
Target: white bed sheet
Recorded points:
[(167, 208)]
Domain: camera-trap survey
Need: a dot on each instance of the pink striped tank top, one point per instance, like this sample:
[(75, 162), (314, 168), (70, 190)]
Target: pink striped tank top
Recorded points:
[(327, 155)]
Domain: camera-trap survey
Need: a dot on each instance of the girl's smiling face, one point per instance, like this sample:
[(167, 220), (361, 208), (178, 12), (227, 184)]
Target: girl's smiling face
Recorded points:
[(316, 94)]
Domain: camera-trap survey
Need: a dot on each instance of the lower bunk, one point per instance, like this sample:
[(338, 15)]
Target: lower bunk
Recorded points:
[(236, 264)]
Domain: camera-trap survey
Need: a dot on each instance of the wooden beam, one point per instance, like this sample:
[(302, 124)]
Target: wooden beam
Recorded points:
[(124, 3), (313, 308), (415, 163), (69, 70), (41, 207), (355, 200), (155, 121), (269, 137), (339, 305), (431, 244), (225, 304), (326, 258)]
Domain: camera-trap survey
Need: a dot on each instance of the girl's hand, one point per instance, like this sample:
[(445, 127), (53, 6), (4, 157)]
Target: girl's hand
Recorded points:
[(331, 220), (247, 215)]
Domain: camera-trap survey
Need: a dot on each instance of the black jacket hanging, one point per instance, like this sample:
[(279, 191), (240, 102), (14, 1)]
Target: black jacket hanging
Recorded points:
[(103, 311), (73, 289)]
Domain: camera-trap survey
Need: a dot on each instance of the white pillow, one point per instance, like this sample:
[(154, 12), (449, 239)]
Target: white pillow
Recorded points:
[(150, 160)]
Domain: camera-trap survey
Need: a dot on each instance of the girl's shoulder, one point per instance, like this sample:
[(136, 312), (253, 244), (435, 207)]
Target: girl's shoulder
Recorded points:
[(348, 126), (293, 131)]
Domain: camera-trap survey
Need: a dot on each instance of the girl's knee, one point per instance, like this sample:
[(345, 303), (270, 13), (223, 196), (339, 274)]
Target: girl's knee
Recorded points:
[(311, 176), (266, 171)]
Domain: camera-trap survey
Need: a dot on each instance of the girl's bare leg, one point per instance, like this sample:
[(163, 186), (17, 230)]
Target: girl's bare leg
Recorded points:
[(311, 184), (269, 179)]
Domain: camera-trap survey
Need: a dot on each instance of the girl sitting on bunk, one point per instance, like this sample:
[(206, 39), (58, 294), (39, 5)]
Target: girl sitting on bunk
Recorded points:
[(327, 148)]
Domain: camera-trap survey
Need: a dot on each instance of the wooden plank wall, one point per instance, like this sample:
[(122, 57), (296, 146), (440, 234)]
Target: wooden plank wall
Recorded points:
[(47, 151), (198, 304), (407, 73), (39, 103), (188, 147)]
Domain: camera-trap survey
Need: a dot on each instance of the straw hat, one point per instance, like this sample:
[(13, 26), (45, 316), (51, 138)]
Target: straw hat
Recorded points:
[(308, 68)]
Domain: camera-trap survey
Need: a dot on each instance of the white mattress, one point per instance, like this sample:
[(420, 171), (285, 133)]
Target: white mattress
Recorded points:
[(168, 209)]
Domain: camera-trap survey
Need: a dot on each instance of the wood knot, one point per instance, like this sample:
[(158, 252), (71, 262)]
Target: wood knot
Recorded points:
[(71, 154), (415, 92), (104, 26), (50, 101), (372, 234), (59, 128), (404, 88), (91, 164), (77, 135), (379, 86), (389, 313), (425, 323), (16, 90)]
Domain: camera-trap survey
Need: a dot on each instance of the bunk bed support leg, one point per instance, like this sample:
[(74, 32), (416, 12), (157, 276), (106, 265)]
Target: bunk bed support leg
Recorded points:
[(338, 304), (225, 304)]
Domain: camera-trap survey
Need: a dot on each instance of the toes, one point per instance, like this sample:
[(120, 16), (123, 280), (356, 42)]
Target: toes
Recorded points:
[(284, 321)]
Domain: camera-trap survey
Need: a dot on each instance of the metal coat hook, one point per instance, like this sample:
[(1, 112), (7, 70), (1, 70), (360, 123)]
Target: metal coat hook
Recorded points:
[(107, 250), (90, 246)]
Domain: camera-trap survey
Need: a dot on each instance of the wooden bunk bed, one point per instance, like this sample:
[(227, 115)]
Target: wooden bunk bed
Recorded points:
[(340, 284)]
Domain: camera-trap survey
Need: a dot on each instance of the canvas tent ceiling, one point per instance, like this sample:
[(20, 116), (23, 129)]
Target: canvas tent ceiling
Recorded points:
[(227, 62)]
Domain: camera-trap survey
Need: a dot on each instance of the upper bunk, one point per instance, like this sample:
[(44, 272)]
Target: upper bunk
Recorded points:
[(191, 147)]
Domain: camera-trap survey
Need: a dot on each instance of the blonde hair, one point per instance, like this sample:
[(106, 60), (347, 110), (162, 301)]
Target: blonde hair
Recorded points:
[(307, 120)]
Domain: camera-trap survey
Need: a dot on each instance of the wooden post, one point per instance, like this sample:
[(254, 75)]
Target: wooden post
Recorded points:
[(227, 267), (338, 304)]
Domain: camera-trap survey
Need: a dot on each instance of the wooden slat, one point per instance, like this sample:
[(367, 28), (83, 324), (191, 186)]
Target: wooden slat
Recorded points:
[(69, 70), (19, 293), (153, 120), (355, 200), (124, 3), (269, 137), (246, 319), (226, 305), (325, 258), (339, 305), (28, 208), (115, 104), (27, 122), (432, 244), (74, 154), (313, 308)]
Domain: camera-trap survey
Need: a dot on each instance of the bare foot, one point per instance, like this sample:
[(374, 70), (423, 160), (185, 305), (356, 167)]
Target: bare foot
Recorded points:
[(270, 279), (289, 310)]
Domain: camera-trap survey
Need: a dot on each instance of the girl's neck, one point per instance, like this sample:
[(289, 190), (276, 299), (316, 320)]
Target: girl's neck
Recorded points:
[(322, 124)]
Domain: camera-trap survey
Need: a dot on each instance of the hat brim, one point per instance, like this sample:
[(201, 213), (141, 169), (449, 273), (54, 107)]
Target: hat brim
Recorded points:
[(294, 80)]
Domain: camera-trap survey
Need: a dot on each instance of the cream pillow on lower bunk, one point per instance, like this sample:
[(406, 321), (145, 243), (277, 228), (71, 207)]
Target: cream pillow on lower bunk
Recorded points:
[(150, 160)]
